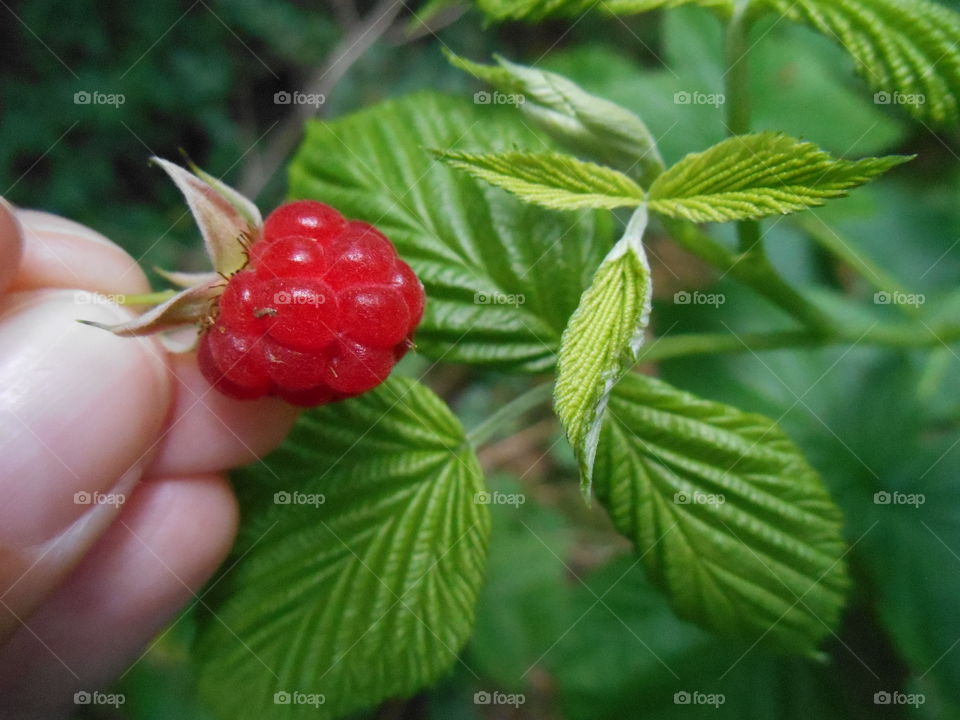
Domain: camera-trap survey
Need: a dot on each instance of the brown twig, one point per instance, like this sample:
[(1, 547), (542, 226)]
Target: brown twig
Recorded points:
[(351, 48)]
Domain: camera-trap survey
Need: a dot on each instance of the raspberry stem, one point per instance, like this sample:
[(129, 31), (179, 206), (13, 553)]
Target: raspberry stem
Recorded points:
[(154, 298), (500, 420)]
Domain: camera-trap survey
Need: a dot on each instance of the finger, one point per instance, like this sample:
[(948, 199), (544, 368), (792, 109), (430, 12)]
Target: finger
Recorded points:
[(11, 244), (167, 541), (80, 410), (61, 253), (209, 432)]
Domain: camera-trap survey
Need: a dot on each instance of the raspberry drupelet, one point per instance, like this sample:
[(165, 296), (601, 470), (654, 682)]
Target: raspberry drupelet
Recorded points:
[(322, 312)]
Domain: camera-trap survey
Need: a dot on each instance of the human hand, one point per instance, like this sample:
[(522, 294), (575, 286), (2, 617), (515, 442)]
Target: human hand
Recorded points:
[(113, 505)]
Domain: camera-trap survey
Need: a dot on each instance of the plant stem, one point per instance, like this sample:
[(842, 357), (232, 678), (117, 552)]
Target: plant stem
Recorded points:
[(739, 106), (154, 298), (891, 336), (500, 420), (737, 75), (752, 269), (843, 249)]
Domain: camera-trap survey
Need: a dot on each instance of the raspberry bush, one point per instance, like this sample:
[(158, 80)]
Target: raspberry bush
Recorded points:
[(531, 215)]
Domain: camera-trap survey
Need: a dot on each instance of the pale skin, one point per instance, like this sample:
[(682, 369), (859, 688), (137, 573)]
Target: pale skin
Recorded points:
[(84, 587)]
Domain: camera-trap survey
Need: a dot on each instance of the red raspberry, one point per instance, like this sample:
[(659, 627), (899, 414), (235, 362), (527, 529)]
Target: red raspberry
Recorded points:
[(361, 256), (294, 255), (304, 217), (323, 312)]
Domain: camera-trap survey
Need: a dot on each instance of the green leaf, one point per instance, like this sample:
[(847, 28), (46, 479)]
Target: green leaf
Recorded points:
[(793, 69), (896, 471), (647, 656), (533, 10), (523, 606), (552, 180), (755, 176), (583, 122), (502, 276), (360, 559), (906, 50), (729, 517), (601, 343)]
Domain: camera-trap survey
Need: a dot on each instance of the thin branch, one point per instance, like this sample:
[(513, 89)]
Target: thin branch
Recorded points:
[(416, 29), (350, 49)]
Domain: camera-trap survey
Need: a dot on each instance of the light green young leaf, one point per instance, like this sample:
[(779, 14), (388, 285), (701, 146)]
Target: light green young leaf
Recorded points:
[(502, 276), (601, 343), (730, 518), (907, 50), (755, 176), (552, 180), (360, 559), (585, 123), (534, 10)]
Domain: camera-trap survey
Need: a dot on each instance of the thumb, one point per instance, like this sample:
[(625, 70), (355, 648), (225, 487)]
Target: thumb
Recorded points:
[(80, 411)]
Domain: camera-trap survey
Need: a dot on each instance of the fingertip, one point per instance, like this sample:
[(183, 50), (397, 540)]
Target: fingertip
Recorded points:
[(210, 432)]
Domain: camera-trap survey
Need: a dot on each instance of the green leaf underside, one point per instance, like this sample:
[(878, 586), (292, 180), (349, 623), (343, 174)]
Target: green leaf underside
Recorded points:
[(588, 124), (755, 176), (601, 343), (368, 595), (540, 9), (552, 180), (766, 563), (502, 276), (912, 48)]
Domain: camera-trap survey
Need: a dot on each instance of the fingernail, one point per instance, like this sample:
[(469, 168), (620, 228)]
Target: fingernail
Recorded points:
[(11, 244)]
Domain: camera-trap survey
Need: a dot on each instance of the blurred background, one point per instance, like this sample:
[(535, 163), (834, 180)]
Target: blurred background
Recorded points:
[(567, 621)]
